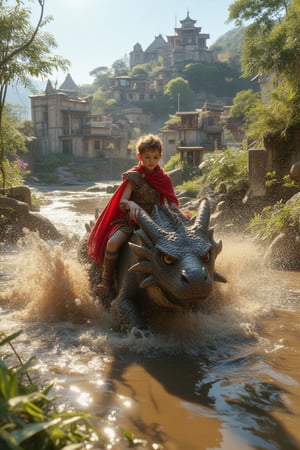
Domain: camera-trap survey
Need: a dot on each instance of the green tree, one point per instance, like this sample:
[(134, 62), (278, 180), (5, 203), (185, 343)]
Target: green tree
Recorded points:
[(119, 68), (262, 12), (272, 48), (179, 93), (102, 76), (141, 71), (99, 102), (244, 105), (159, 106), (14, 142), (219, 78), (24, 53), (272, 24)]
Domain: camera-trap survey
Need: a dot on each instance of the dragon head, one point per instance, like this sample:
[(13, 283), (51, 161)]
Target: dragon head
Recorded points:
[(176, 257)]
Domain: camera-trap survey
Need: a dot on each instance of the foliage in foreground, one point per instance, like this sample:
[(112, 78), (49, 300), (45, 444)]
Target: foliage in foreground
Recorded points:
[(274, 219), (218, 169), (229, 168), (29, 418), (189, 172)]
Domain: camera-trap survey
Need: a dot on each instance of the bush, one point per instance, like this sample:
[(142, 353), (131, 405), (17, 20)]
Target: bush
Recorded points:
[(15, 171), (45, 166), (189, 172), (192, 187), (226, 167), (275, 219)]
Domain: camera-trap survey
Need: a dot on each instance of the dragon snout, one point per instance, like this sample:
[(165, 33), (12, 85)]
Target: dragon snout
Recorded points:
[(195, 283), (192, 275)]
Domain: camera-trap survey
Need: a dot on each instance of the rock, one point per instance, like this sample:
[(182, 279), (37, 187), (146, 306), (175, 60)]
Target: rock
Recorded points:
[(221, 206), (176, 176), (184, 200), (21, 193), (295, 171), (111, 189), (18, 216), (292, 200), (284, 252), (96, 189)]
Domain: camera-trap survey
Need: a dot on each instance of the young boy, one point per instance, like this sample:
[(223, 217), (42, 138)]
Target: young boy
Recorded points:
[(143, 186)]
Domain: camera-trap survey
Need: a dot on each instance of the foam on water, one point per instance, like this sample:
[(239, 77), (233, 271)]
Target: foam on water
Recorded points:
[(50, 284)]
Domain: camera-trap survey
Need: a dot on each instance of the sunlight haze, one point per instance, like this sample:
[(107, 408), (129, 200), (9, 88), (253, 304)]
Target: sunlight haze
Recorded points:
[(95, 33)]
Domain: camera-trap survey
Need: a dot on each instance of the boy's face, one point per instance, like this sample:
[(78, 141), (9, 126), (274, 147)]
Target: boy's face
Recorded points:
[(149, 158)]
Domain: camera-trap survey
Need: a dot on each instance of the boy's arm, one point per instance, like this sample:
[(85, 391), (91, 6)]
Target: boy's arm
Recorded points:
[(129, 205), (124, 202)]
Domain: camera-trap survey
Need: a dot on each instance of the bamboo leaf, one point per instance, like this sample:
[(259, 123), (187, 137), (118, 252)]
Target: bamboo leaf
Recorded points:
[(30, 430), (10, 338)]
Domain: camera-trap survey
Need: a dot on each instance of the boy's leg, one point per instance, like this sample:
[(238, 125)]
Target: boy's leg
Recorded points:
[(111, 258), (109, 265)]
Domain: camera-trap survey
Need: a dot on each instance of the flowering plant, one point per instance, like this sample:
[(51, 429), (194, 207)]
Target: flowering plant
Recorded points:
[(15, 171)]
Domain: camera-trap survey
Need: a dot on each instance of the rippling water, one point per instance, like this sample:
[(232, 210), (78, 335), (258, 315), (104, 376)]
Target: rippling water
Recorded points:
[(228, 380)]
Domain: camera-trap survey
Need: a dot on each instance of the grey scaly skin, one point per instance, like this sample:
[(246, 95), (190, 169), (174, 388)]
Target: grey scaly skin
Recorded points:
[(169, 263)]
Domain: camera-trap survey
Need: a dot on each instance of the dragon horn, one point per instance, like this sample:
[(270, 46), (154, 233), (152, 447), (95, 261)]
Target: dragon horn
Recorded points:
[(219, 277), (203, 216), (152, 229)]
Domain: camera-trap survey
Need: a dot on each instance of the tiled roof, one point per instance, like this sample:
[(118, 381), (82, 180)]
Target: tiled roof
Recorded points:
[(158, 43), (69, 84)]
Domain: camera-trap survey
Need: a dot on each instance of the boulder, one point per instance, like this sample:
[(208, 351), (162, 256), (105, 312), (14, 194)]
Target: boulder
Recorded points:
[(284, 252), (16, 216)]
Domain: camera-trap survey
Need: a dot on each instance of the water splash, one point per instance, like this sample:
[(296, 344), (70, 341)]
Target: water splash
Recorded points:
[(49, 284)]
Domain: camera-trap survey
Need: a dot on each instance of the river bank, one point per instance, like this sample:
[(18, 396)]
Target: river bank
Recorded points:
[(220, 381)]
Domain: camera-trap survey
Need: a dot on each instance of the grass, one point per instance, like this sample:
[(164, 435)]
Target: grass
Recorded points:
[(29, 417), (281, 217)]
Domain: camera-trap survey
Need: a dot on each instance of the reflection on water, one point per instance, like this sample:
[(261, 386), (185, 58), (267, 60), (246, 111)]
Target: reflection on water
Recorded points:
[(228, 380)]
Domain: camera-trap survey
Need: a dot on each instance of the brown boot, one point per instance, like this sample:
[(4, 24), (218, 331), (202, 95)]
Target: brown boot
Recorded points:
[(108, 272)]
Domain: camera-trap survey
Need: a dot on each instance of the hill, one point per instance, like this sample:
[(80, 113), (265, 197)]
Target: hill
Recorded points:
[(229, 45)]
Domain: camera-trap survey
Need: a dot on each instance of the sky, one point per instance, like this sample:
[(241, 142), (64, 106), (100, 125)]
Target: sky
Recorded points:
[(93, 33)]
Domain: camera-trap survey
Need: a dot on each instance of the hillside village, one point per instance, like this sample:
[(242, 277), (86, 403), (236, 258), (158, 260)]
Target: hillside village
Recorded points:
[(64, 123)]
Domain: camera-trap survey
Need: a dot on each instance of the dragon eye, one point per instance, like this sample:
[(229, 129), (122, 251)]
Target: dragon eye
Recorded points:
[(206, 257), (167, 260)]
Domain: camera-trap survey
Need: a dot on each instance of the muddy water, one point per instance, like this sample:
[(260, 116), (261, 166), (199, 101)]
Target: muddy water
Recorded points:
[(228, 380)]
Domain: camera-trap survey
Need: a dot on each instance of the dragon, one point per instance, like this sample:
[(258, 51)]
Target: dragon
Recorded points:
[(168, 264)]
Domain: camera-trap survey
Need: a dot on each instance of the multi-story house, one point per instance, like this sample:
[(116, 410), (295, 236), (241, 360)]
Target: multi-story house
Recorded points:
[(64, 123), (187, 45), (195, 133)]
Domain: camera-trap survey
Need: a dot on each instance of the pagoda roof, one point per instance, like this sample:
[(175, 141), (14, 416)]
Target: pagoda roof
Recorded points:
[(69, 84), (157, 44), (188, 22)]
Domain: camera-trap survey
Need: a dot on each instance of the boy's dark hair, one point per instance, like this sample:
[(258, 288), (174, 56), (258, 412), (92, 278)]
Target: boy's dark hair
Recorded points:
[(149, 142)]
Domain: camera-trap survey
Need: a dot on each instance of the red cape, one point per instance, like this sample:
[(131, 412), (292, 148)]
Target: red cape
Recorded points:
[(104, 226)]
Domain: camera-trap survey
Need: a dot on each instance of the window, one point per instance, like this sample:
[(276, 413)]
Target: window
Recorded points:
[(97, 145), (124, 82)]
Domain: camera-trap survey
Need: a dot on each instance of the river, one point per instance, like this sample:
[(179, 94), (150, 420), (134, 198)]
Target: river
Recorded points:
[(226, 380)]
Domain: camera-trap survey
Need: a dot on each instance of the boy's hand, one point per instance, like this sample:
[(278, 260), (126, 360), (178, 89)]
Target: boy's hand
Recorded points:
[(133, 209)]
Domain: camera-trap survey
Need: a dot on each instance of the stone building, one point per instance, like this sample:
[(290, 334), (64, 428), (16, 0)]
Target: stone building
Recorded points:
[(129, 89), (64, 123), (195, 133), (280, 151), (187, 45)]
